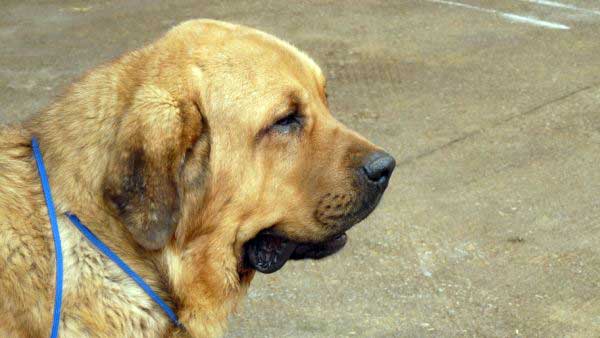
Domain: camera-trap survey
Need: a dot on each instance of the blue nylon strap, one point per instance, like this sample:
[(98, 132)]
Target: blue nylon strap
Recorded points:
[(112, 256), (93, 239), (57, 244)]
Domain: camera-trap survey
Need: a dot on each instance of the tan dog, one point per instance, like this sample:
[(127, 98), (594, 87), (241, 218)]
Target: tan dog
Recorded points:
[(198, 159)]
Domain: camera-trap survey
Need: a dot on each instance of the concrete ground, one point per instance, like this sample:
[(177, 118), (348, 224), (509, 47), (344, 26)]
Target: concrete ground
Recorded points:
[(491, 225)]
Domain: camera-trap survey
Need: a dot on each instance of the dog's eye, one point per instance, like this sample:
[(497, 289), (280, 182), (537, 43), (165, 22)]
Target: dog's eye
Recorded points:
[(288, 124)]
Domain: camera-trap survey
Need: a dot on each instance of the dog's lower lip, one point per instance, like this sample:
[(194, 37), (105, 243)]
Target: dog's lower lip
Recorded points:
[(268, 253)]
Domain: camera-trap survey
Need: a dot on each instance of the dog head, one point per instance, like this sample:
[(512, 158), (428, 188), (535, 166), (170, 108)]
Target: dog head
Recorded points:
[(227, 151)]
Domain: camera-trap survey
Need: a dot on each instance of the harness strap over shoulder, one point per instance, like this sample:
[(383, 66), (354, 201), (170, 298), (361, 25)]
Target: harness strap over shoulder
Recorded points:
[(37, 154), (93, 240)]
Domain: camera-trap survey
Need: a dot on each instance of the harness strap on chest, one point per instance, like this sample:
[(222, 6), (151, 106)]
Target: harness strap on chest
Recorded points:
[(121, 264)]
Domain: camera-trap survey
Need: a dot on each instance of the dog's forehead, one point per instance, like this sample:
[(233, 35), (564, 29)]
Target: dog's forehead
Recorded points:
[(287, 52), (224, 47)]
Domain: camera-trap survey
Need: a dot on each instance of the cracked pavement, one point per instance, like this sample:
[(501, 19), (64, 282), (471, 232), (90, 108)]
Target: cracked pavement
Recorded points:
[(491, 224)]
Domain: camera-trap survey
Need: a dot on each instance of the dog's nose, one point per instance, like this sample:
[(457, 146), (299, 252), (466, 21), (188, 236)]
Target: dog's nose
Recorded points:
[(379, 167)]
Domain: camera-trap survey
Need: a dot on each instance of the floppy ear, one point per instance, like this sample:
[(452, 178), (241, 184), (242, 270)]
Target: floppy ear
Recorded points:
[(142, 181)]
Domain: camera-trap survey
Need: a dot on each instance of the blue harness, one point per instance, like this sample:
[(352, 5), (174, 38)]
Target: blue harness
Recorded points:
[(93, 239)]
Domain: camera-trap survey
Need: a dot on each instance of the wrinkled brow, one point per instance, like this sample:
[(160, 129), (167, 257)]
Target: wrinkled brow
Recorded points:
[(291, 99), (288, 101)]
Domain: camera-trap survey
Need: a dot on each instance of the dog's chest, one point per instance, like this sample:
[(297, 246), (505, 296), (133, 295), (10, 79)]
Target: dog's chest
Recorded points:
[(100, 300)]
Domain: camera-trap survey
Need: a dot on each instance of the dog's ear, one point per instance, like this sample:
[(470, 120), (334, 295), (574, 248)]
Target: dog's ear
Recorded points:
[(142, 182)]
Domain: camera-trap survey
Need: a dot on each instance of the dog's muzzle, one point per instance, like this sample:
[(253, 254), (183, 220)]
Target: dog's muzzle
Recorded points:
[(271, 249)]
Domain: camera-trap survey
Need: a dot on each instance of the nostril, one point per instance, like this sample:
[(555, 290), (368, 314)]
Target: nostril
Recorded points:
[(379, 167)]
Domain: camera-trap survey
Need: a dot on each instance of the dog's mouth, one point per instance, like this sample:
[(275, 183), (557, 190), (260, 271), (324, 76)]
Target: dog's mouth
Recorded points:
[(268, 252)]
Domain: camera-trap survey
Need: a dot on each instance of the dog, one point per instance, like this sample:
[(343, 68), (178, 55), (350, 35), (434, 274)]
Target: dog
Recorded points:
[(200, 159)]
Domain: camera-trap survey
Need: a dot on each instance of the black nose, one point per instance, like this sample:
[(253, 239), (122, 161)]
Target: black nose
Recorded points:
[(379, 167)]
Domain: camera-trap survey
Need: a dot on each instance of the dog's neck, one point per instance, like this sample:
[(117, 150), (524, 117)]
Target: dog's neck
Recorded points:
[(77, 142), (74, 159)]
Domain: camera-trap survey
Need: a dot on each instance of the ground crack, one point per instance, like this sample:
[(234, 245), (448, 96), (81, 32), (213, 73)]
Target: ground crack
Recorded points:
[(466, 136)]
